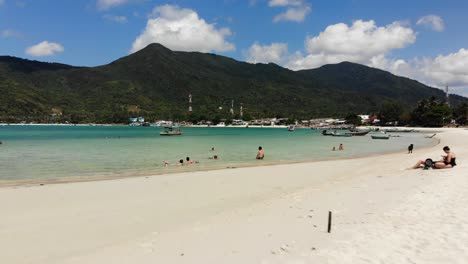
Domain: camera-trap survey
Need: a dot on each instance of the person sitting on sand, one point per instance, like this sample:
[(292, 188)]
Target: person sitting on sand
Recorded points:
[(260, 154), (447, 161)]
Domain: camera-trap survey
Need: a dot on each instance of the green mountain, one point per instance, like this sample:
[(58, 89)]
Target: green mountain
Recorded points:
[(155, 83)]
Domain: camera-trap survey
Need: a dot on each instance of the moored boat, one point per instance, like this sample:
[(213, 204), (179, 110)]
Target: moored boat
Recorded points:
[(171, 131), (359, 133), (383, 136), (342, 134), (291, 128)]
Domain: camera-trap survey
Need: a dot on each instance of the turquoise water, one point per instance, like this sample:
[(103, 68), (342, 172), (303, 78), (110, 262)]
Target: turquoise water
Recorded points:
[(56, 152)]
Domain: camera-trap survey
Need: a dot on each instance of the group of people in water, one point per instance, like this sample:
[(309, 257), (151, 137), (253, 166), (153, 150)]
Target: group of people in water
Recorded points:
[(260, 155), (340, 147), (447, 161)]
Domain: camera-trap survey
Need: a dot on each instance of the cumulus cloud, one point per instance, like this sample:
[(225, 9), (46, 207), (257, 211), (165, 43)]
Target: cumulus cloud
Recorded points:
[(275, 52), (362, 42), (117, 19), (432, 21), (451, 69), (296, 10), (107, 4), (44, 48), (182, 29)]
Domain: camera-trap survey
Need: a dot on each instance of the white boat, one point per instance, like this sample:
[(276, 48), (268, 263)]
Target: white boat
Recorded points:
[(381, 136), (171, 131), (221, 124), (291, 128)]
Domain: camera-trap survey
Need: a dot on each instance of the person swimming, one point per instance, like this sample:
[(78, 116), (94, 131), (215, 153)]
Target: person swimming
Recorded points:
[(180, 163)]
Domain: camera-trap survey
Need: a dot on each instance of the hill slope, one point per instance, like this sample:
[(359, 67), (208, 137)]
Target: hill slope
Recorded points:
[(155, 83)]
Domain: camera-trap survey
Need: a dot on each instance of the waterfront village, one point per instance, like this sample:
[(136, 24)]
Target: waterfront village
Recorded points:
[(264, 122)]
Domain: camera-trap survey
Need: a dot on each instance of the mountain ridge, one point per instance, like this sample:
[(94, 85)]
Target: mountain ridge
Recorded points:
[(155, 82)]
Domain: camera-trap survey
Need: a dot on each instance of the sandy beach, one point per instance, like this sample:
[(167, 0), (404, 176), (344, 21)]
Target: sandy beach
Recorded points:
[(382, 213)]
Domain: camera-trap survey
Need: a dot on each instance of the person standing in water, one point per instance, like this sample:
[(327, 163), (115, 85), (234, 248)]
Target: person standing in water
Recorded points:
[(260, 153)]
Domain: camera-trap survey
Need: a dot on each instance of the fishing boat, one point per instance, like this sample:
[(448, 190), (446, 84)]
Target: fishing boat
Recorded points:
[(325, 133), (171, 131), (382, 136), (291, 128)]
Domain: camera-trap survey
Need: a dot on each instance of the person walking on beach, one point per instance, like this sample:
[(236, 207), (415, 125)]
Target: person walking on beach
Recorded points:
[(447, 161), (410, 149), (341, 147), (260, 154)]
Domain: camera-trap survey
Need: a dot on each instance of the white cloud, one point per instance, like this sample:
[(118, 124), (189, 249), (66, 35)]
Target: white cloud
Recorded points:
[(295, 14), (363, 42), (297, 10), (434, 22), (451, 69), (117, 19), (107, 4), (44, 48), (275, 52), (182, 29), (8, 33), (285, 3)]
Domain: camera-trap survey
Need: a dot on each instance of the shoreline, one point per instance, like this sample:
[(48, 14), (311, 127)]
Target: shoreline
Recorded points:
[(382, 212), (192, 169)]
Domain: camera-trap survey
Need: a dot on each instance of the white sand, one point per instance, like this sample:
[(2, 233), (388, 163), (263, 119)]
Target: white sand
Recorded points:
[(382, 213)]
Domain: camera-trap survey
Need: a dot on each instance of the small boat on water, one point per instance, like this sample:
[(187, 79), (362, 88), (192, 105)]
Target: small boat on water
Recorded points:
[(325, 133), (342, 134), (400, 130), (171, 131), (382, 136), (359, 133), (291, 128)]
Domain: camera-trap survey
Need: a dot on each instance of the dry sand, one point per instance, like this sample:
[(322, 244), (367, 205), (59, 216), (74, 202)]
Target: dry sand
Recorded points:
[(382, 213)]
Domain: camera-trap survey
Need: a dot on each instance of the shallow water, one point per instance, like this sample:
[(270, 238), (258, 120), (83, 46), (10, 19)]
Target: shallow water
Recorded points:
[(57, 152)]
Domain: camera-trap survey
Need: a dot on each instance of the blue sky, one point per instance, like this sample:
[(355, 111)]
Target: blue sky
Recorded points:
[(426, 40)]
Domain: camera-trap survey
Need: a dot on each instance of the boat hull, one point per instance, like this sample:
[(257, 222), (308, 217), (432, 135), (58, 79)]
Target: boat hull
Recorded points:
[(380, 137), (170, 134)]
